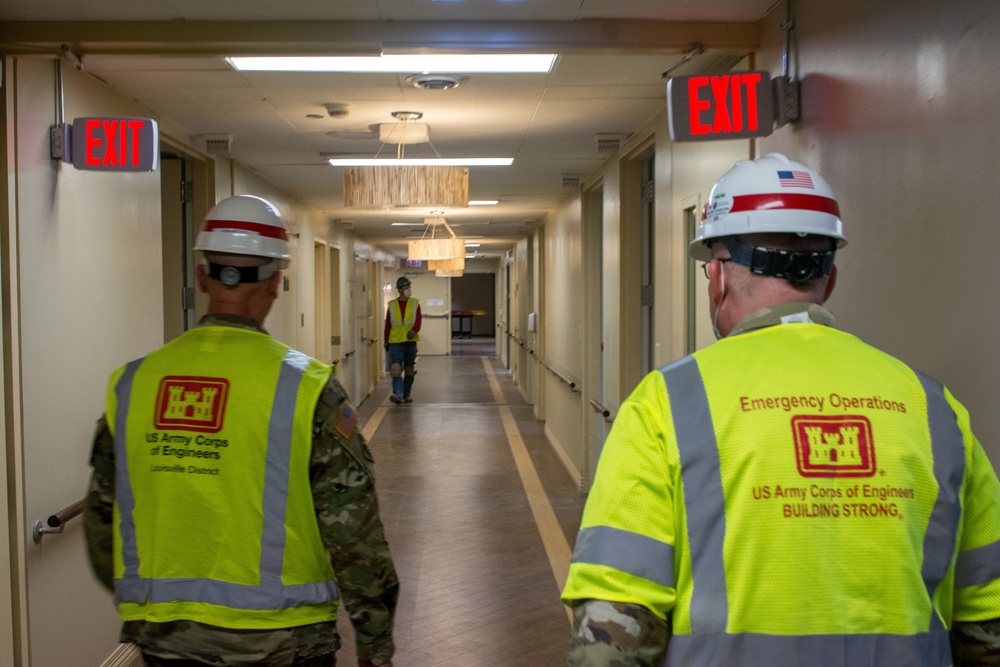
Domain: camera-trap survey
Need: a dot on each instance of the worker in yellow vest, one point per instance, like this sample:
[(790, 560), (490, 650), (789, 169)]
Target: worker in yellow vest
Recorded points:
[(402, 331), (789, 496), (232, 503)]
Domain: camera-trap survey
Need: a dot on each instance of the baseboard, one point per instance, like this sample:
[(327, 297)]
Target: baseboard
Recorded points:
[(126, 655), (563, 458)]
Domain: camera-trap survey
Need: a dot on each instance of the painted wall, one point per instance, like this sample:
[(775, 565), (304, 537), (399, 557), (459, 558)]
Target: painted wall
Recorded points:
[(901, 114), (89, 289), (85, 281)]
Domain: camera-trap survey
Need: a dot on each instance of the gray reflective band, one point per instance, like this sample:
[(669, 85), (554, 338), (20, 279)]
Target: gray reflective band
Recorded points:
[(237, 596), (123, 485), (627, 552), (704, 502), (270, 593), (279, 454), (948, 448), (931, 649), (979, 566)]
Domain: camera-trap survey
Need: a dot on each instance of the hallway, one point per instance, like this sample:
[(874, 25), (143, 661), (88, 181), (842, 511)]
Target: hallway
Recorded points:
[(480, 515)]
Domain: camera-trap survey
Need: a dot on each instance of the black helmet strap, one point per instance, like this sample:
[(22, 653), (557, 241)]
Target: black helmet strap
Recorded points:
[(798, 268)]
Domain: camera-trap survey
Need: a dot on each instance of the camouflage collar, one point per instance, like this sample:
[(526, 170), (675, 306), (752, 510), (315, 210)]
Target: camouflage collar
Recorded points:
[(786, 313), (232, 321)]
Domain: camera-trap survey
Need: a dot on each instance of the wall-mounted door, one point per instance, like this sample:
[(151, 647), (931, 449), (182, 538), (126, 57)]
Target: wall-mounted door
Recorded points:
[(177, 230), (435, 308)]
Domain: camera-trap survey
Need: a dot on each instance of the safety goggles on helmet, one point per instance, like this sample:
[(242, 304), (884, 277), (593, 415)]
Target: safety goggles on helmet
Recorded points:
[(245, 225), (769, 195), (234, 275), (797, 267)]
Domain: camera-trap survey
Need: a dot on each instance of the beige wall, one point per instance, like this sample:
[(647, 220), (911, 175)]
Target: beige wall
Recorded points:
[(90, 297), (901, 113), (85, 287)]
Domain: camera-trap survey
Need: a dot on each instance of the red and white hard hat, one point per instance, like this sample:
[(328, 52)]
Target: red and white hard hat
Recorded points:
[(245, 225), (771, 194)]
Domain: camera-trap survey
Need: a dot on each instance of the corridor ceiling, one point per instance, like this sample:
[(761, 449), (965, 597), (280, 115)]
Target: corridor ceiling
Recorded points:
[(606, 85)]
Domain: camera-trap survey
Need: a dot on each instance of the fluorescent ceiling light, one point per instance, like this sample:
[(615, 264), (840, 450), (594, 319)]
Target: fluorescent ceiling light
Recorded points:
[(407, 224), (423, 162), (472, 245), (537, 63), (484, 202)]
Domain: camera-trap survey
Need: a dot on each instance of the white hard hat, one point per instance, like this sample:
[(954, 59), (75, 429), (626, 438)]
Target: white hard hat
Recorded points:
[(245, 225), (771, 194)]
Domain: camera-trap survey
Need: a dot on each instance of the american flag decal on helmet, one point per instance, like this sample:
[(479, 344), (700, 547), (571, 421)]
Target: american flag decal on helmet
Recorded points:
[(795, 179)]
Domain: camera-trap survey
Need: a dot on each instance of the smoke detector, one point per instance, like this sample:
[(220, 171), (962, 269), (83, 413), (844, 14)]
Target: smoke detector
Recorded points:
[(434, 81)]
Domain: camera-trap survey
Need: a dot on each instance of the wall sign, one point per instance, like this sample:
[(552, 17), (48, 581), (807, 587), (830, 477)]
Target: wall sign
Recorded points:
[(113, 144), (736, 105)]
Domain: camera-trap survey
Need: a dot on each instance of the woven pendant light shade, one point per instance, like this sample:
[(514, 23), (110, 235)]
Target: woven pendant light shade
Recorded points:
[(456, 264), (406, 185), (445, 273), (436, 249)]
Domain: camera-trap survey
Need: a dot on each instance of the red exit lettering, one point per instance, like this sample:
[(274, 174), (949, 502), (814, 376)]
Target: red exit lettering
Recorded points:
[(730, 99), (112, 142)]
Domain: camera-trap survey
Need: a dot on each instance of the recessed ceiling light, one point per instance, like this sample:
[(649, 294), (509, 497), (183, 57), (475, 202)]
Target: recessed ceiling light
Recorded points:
[(537, 63), (484, 202), (407, 224), (472, 245)]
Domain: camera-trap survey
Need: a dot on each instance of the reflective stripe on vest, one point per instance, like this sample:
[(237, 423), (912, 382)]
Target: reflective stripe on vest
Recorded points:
[(704, 503), (402, 322), (979, 566), (626, 551), (270, 593)]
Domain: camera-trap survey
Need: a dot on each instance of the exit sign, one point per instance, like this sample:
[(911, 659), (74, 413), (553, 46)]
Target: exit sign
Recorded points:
[(113, 144), (736, 105)]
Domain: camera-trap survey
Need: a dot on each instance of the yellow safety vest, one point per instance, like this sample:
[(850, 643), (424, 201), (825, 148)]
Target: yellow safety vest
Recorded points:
[(214, 519), (792, 496), (400, 323)]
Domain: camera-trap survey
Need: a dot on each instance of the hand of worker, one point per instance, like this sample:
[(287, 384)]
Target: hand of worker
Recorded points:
[(411, 334), (386, 346)]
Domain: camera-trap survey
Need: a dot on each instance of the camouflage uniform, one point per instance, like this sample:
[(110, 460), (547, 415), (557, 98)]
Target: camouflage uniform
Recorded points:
[(343, 485), (619, 634)]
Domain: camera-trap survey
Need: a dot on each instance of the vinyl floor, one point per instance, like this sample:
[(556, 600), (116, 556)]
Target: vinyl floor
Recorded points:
[(480, 515)]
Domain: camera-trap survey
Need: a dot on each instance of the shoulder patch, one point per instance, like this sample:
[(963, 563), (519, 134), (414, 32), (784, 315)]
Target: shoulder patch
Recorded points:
[(346, 422)]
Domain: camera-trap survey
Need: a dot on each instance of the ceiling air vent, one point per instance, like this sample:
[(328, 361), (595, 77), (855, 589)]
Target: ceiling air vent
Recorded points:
[(218, 144), (608, 144), (570, 181), (434, 81), (338, 110)]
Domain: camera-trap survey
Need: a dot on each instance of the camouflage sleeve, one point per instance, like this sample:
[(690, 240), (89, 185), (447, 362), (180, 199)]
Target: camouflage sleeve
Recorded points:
[(616, 634), (976, 644), (343, 484), (99, 505)]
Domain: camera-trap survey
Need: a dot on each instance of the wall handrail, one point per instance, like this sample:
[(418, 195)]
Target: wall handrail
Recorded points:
[(56, 522), (598, 407), (573, 384)]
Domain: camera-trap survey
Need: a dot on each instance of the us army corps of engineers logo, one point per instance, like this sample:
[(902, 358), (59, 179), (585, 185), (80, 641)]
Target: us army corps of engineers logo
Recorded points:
[(834, 446), (185, 403)]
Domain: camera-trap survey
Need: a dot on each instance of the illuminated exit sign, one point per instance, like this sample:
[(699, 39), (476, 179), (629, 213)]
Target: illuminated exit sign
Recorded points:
[(735, 105), (113, 144)]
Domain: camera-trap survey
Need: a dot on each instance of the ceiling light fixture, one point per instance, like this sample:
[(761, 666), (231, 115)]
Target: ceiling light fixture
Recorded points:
[(407, 182), (424, 162), (484, 202), (431, 248), (522, 63)]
